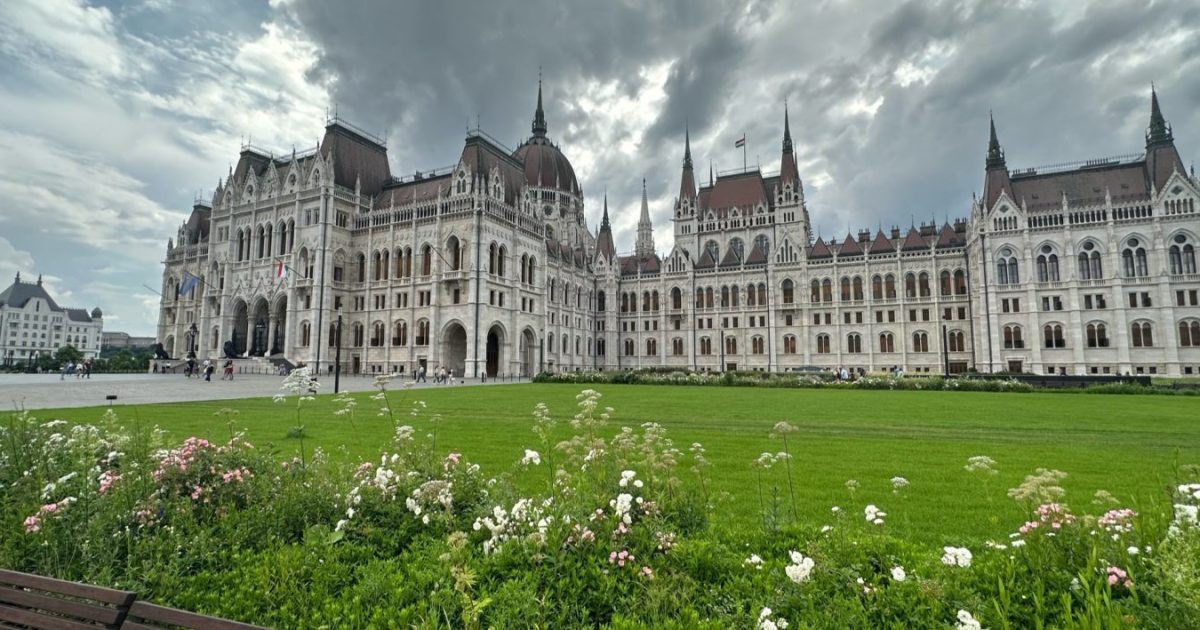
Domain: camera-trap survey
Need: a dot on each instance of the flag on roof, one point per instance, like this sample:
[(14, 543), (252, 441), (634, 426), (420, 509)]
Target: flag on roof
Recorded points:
[(741, 142)]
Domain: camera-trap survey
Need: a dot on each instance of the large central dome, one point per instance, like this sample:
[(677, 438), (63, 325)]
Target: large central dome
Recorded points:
[(545, 165)]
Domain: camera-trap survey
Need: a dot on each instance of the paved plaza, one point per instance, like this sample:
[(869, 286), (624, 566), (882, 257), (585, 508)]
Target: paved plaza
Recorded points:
[(46, 391)]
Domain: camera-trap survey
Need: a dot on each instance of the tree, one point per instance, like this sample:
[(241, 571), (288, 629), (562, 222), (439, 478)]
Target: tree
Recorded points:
[(67, 353)]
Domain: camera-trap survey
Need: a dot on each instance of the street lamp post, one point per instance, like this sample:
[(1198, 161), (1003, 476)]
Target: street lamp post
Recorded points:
[(337, 356), (193, 333)]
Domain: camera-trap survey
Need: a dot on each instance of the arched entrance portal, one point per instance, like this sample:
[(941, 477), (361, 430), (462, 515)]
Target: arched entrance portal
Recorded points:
[(454, 349), (278, 330), (241, 327), (495, 337), (259, 329), (528, 353)]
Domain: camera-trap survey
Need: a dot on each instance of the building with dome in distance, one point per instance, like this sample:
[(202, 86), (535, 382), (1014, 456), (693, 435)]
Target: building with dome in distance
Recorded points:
[(488, 268), (33, 325)]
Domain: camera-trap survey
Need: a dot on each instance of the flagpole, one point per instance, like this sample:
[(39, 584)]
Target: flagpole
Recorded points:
[(743, 152)]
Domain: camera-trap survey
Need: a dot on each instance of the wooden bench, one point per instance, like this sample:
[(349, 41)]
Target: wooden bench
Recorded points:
[(42, 603), (146, 616)]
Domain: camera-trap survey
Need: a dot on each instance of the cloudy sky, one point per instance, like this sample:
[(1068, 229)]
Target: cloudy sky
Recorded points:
[(114, 115)]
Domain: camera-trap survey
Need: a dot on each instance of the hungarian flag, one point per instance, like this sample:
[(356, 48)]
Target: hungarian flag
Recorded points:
[(188, 283), (741, 142), (281, 270)]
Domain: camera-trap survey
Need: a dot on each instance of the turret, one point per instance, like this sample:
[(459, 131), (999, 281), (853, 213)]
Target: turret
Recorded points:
[(687, 181), (1162, 158), (996, 180), (789, 175), (645, 229)]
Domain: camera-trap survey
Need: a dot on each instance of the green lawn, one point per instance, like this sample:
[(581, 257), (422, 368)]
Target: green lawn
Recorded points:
[(1128, 445)]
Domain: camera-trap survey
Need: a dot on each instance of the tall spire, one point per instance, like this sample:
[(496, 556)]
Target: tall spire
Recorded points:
[(995, 155), (687, 147), (645, 229), (539, 116), (604, 240), (604, 225), (1160, 131), (787, 130)]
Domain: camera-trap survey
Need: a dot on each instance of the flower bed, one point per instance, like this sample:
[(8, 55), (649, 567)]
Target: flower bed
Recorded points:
[(610, 526)]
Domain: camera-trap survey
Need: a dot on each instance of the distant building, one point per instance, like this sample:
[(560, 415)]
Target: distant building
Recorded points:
[(33, 324), (124, 340), (488, 267)]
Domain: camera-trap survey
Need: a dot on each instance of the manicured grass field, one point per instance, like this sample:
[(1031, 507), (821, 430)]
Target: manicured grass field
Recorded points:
[(1128, 445)]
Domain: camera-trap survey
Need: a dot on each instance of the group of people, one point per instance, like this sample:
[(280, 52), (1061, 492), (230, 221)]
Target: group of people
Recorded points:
[(441, 375), (82, 369), (844, 374)]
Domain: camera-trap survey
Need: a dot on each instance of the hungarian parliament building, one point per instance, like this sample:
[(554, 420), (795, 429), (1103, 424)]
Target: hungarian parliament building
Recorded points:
[(488, 268)]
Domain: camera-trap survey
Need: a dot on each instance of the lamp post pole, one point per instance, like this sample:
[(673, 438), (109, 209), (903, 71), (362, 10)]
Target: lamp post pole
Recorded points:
[(337, 357)]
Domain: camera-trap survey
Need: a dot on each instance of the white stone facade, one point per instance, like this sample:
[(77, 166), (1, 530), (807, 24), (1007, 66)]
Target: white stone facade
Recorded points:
[(487, 267), (32, 324)]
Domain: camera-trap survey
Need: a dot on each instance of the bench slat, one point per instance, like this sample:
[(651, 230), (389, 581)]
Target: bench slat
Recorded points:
[(31, 619), (74, 589), (143, 611), (72, 608)]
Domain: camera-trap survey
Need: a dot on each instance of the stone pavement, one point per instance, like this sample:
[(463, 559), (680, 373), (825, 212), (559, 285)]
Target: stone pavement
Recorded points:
[(46, 391)]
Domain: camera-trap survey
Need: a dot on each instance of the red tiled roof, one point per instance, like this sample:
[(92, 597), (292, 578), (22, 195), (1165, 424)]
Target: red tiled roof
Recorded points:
[(743, 191), (1086, 186), (850, 247), (819, 249), (914, 241), (882, 245)]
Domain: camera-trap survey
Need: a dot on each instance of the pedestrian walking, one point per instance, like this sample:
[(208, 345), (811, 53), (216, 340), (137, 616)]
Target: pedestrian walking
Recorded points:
[(228, 376), (421, 374), (208, 370)]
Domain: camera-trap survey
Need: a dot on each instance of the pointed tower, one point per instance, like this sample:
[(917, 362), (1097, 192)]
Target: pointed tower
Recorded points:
[(604, 240), (686, 206), (539, 116), (645, 230), (996, 178), (789, 175), (1162, 158)]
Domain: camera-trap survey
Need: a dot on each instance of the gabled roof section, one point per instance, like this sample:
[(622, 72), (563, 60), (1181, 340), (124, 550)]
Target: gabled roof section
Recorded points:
[(18, 294), (635, 265), (820, 249), (913, 241), (948, 238), (706, 261), (850, 247), (480, 155), (881, 245), (415, 191), (730, 259), (357, 157), (1083, 186), (743, 190), (757, 256)]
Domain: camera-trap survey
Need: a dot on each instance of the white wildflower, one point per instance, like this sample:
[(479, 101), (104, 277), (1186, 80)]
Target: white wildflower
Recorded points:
[(956, 556), (801, 568), (898, 574)]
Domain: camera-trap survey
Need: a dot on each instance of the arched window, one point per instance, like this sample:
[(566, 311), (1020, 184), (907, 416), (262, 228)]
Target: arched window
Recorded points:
[(705, 346), (731, 345), (601, 302), (1133, 259), (910, 285), (422, 337), (1097, 336), (826, 290), (887, 343), (358, 335), (920, 342), (1013, 338), (823, 344), (629, 347), (677, 346), (960, 282), (1052, 336), (454, 254), (492, 258), (708, 297), (757, 346), (762, 294), (738, 249), (400, 334), (378, 332), (1182, 255), (854, 343), (889, 287), (426, 260), (763, 244), (955, 341), (788, 291), (305, 334), (1189, 333), (751, 295), (501, 258), (789, 344), (714, 250), (923, 280), (362, 267), (858, 288), (876, 287), (1142, 335), (845, 289), (816, 291), (1006, 268), (632, 301), (651, 347), (676, 298), (645, 300), (946, 283), (377, 265)]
